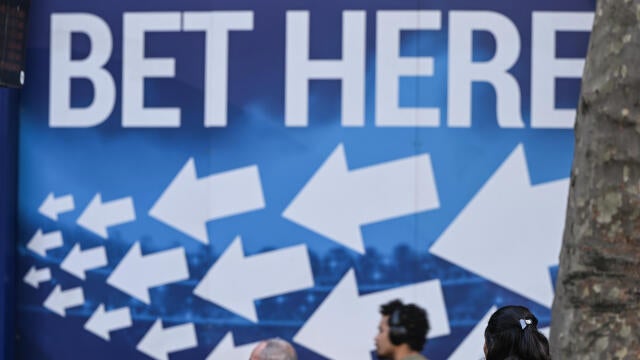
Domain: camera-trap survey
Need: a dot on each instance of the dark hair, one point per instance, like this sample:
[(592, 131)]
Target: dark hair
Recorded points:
[(407, 324), (512, 333)]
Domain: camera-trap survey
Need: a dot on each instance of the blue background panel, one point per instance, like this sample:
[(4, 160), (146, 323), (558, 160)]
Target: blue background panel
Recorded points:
[(138, 164)]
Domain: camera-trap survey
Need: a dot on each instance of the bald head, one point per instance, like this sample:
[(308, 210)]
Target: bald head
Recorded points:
[(273, 349)]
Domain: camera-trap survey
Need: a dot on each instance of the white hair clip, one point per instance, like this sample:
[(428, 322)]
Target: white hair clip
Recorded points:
[(524, 323)]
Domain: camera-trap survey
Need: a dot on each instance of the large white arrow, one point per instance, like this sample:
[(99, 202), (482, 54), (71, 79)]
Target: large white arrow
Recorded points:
[(159, 342), (335, 202), (78, 261), (235, 281), (59, 301), (188, 203), (344, 325), (226, 349), (135, 273), (511, 231), (52, 206), (472, 346), (41, 242), (102, 323), (35, 277), (98, 216)]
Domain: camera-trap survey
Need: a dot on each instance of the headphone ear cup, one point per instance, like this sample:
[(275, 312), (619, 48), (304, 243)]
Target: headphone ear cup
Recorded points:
[(397, 331)]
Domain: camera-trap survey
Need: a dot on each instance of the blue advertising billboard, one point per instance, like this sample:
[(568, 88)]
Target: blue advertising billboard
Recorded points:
[(196, 176)]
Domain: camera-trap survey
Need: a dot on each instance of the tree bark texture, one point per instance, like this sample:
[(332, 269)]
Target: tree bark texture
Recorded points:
[(596, 311)]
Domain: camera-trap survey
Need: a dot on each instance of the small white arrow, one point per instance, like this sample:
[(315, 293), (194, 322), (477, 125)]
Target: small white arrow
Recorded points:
[(235, 281), (78, 261), (353, 339), (335, 202), (159, 342), (102, 323), (510, 224), (471, 346), (135, 273), (59, 301), (226, 349), (98, 216), (35, 277), (188, 203), (52, 206), (41, 242)]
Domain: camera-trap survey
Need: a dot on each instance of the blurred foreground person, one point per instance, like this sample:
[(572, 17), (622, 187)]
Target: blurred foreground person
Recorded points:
[(273, 349), (512, 334), (402, 331)]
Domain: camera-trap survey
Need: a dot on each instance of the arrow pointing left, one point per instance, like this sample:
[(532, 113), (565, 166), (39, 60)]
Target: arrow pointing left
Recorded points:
[(58, 301), (226, 349), (78, 261), (135, 273), (353, 338), (52, 206), (34, 277), (41, 242), (98, 216), (337, 201), (159, 342), (509, 224), (263, 275), (102, 323), (188, 203)]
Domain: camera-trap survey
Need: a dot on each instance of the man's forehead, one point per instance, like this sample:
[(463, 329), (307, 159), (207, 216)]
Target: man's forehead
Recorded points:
[(256, 352)]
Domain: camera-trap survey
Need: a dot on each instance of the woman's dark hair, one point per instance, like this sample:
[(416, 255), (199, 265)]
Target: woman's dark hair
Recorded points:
[(512, 333)]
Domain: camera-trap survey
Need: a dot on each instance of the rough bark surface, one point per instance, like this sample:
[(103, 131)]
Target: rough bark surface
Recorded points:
[(596, 311)]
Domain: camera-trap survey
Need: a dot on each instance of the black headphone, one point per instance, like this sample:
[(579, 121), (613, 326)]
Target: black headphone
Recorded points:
[(397, 331)]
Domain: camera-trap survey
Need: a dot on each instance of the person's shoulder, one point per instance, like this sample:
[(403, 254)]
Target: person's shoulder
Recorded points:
[(415, 357)]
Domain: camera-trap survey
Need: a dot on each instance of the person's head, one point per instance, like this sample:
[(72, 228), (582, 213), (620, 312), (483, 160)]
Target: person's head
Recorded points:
[(402, 328), (512, 333), (273, 349)]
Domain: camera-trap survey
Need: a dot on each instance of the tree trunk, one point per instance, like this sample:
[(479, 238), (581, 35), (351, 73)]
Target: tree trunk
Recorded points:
[(596, 311)]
